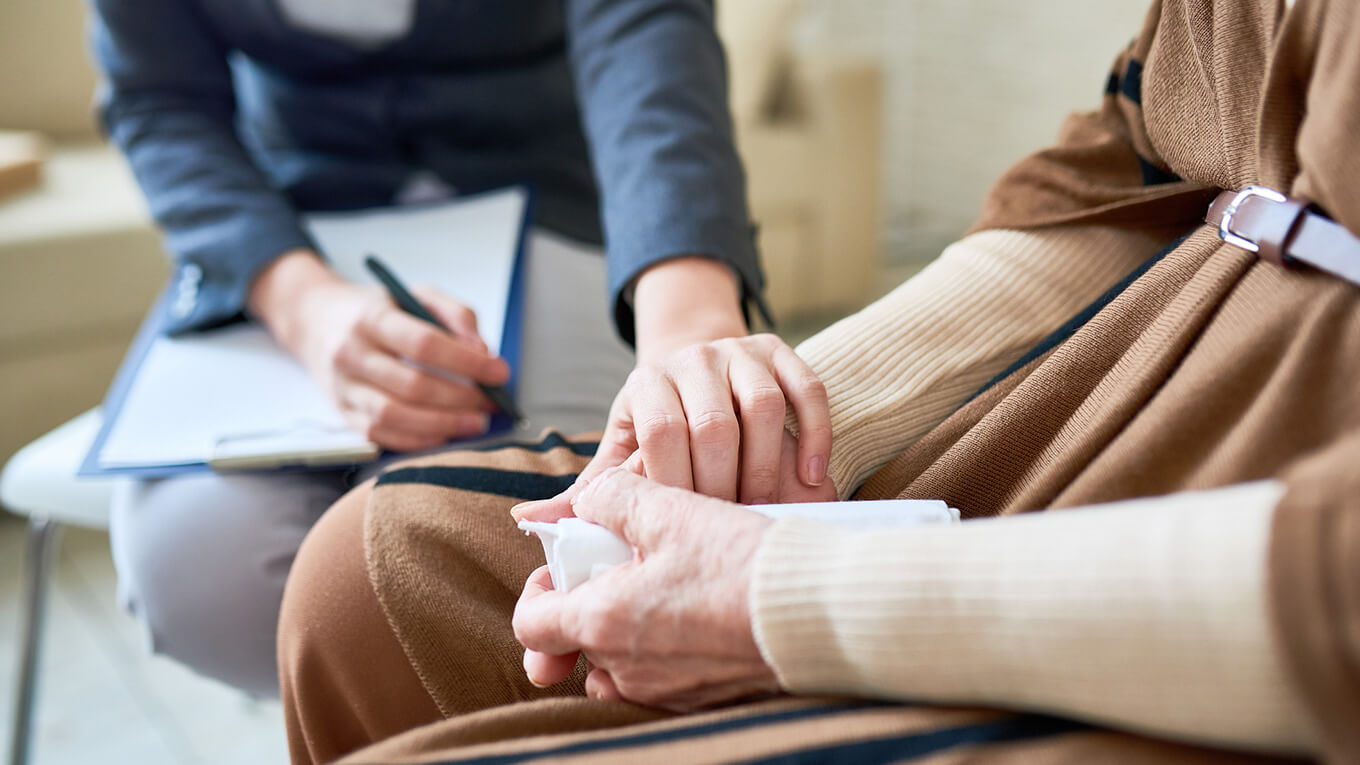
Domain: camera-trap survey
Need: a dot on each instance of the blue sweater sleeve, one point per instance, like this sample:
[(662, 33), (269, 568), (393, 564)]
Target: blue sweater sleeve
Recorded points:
[(167, 101), (653, 86)]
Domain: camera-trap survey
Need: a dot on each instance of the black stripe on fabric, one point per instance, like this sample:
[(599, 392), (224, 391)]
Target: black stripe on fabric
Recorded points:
[(1112, 84), (1153, 175), (1131, 85), (507, 483), (673, 734), (1061, 334), (910, 746), (551, 441)]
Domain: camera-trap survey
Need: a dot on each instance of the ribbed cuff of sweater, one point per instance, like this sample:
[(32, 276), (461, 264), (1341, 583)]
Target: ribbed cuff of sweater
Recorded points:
[(899, 367), (1147, 615)]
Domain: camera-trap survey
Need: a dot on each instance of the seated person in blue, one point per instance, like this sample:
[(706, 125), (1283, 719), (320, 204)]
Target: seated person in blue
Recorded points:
[(237, 117)]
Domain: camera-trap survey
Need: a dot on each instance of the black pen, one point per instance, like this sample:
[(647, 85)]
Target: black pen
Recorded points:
[(406, 302)]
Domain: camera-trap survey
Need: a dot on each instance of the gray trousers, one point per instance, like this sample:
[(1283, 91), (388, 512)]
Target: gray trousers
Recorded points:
[(202, 559)]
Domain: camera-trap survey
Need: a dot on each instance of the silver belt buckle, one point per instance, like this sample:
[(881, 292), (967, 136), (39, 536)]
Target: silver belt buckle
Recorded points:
[(1225, 231)]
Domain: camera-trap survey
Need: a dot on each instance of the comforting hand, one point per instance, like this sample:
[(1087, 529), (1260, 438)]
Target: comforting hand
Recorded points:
[(400, 381), (710, 417), (705, 405), (671, 629)]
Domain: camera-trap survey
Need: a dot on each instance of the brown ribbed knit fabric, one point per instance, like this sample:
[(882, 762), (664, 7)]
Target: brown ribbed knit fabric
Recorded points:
[(448, 564)]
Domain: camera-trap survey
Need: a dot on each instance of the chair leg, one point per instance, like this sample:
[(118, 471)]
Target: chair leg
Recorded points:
[(42, 545)]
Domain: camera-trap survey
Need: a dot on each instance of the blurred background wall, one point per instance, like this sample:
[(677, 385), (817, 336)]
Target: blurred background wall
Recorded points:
[(969, 87)]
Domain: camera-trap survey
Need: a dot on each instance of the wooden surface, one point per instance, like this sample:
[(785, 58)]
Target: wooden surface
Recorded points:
[(21, 162)]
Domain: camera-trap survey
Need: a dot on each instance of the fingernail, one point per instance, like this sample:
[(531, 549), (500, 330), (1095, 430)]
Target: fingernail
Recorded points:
[(817, 470), (535, 683), (760, 501), (517, 512), (477, 423)]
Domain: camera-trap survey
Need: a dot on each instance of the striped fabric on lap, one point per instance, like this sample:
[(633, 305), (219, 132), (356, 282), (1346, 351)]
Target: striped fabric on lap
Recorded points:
[(519, 484)]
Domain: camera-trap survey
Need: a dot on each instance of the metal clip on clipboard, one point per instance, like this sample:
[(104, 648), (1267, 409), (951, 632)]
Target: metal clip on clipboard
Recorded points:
[(308, 444)]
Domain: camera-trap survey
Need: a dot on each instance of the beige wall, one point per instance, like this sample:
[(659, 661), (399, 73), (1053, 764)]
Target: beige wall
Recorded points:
[(46, 76), (970, 87)]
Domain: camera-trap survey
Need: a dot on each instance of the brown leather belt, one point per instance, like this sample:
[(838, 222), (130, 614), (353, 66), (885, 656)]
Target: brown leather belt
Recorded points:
[(1283, 230)]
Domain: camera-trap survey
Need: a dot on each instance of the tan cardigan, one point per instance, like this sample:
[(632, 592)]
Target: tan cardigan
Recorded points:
[(1208, 614)]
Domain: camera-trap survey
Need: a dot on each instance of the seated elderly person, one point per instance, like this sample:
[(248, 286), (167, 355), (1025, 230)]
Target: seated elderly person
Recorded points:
[(1185, 405)]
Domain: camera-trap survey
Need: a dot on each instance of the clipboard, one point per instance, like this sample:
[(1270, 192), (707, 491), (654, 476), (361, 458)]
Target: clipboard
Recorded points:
[(255, 408)]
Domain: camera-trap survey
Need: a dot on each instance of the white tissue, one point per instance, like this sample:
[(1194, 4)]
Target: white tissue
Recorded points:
[(578, 550)]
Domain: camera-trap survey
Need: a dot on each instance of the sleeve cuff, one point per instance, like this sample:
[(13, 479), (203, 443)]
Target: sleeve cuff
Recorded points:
[(727, 244), (211, 283)]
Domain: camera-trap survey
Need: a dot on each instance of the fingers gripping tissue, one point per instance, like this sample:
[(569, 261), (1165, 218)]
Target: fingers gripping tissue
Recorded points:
[(578, 550)]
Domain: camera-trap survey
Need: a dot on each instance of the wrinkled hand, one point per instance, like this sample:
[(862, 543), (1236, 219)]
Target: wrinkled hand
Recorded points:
[(401, 382), (670, 629), (710, 417)]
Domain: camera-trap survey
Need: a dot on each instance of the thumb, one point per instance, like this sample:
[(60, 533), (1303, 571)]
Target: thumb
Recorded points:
[(546, 510), (638, 509)]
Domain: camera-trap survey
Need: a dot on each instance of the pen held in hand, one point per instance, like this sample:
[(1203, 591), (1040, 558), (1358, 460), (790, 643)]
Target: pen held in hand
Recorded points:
[(407, 302)]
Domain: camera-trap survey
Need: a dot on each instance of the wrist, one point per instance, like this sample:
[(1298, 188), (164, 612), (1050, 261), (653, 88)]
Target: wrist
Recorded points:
[(685, 300), (279, 292)]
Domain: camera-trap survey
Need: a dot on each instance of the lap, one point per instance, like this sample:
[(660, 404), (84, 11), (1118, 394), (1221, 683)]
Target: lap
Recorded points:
[(445, 562), (786, 730), (448, 563), (417, 571)]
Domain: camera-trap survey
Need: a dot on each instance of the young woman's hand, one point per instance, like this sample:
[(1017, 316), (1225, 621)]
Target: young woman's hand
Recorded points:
[(403, 383), (710, 417), (705, 406)]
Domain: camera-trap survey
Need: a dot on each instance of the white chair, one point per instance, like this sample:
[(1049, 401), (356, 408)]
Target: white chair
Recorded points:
[(40, 482)]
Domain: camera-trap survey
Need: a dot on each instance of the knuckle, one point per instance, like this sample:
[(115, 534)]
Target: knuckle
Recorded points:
[(767, 340), (703, 354), (767, 400), (660, 429), (426, 345), (345, 354), (642, 378), (413, 385), (713, 427), (811, 386)]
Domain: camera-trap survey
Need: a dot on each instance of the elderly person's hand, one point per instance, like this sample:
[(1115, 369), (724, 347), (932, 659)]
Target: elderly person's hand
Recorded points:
[(669, 629)]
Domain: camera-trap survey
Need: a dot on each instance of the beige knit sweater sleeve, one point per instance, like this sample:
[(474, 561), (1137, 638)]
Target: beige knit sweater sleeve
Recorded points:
[(899, 367), (1148, 615)]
